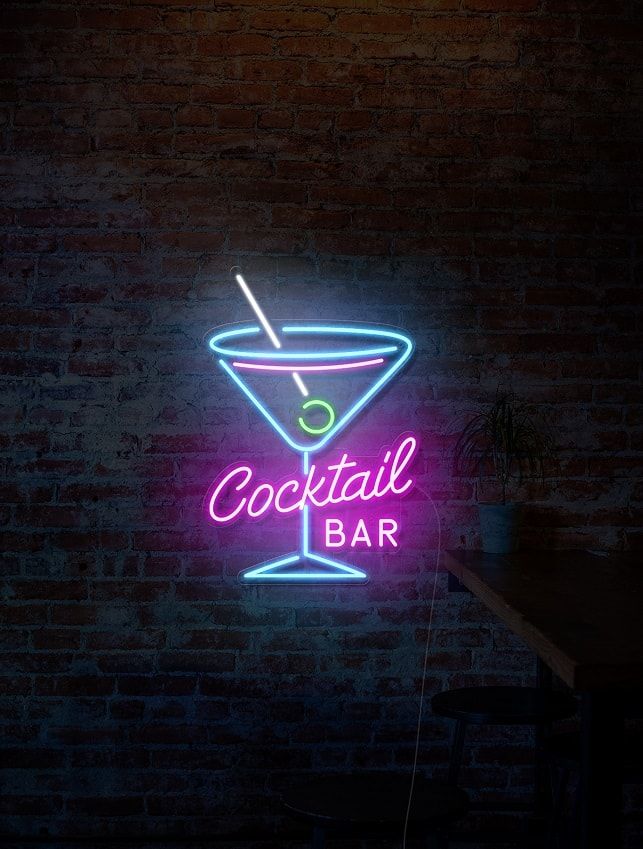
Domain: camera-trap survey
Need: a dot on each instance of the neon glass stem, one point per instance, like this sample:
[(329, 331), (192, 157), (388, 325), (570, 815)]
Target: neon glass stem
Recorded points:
[(305, 518), (271, 570)]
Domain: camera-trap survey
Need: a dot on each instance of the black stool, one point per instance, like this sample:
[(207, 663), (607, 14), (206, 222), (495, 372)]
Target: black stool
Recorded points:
[(498, 706), (375, 803), (563, 750)]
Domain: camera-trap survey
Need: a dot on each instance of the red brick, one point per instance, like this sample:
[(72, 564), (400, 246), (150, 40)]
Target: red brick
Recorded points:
[(216, 639), (210, 242), (449, 27), (235, 118), (215, 20), (122, 19), (316, 46), (262, 192), (152, 93), (348, 245), (198, 758), (355, 120), (32, 806), (30, 758), (503, 6), (484, 51), (52, 639), (269, 69), (73, 614), (195, 116), (316, 121), (231, 94), (329, 72), (288, 20), (234, 45), (39, 19), (611, 28), (358, 195), (506, 78), (96, 806), (24, 614), (119, 243), (286, 216), (266, 242), (277, 119), (53, 590), (168, 541), (89, 541), (371, 23), (32, 116), (323, 96), (48, 141), (532, 27)]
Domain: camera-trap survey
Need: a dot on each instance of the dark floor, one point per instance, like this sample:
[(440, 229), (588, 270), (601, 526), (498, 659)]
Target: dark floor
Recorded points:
[(469, 843), (632, 839), (334, 843)]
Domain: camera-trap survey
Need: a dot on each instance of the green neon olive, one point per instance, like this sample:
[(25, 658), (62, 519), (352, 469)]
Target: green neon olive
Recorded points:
[(317, 431)]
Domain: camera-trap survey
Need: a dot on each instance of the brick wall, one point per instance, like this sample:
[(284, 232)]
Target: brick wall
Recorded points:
[(464, 169)]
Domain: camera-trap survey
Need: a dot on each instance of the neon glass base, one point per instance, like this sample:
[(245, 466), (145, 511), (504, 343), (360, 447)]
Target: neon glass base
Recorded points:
[(303, 568)]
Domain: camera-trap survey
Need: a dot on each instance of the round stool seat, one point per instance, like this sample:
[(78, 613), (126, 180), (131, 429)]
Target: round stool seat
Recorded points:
[(374, 800), (504, 705)]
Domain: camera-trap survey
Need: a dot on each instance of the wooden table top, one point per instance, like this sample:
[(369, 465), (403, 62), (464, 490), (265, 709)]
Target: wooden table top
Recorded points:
[(581, 613)]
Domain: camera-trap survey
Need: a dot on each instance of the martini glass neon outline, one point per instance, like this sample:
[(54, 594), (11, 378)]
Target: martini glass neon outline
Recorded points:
[(314, 361)]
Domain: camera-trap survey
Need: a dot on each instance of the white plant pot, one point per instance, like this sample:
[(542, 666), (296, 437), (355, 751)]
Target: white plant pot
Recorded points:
[(499, 527)]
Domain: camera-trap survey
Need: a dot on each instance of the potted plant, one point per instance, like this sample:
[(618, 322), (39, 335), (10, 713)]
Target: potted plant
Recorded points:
[(504, 442)]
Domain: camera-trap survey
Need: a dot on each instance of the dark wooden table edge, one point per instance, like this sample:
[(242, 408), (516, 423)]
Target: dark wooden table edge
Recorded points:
[(579, 678), (547, 651)]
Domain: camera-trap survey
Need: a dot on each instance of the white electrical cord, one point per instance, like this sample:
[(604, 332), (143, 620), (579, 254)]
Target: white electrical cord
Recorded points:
[(426, 660)]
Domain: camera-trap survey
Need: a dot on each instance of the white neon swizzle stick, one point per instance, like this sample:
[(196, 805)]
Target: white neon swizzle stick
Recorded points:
[(267, 327)]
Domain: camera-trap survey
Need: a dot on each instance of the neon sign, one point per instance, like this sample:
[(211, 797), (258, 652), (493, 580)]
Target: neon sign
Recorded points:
[(349, 365), (337, 483)]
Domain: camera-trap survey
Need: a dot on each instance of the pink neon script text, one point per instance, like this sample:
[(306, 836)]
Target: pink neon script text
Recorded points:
[(237, 493)]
